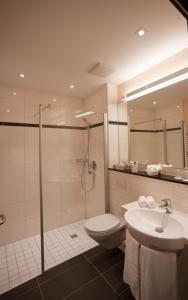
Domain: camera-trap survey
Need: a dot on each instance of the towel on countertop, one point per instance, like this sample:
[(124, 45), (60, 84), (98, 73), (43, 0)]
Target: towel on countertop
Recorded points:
[(151, 202), (142, 201), (158, 275), (131, 265)]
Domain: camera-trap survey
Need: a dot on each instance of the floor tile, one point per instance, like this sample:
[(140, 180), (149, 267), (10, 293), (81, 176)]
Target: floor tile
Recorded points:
[(97, 289), (115, 277), (21, 260), (19, 290), (62, 285), (107, 259), (59, 269), (127, 295), (31, 295), (94, 251)]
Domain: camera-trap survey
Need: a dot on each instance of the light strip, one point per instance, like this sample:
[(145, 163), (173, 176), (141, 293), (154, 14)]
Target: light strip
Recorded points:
[(156, 86), (84, 114)]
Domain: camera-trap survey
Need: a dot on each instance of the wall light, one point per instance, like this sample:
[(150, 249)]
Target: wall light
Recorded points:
[(87, 113), (158, 85)]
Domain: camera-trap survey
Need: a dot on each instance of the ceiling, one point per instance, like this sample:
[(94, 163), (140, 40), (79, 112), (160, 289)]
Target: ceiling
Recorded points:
[(55, 42)]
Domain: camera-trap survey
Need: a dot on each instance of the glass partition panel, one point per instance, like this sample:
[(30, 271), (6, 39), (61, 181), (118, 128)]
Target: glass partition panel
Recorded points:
[(73, 179)]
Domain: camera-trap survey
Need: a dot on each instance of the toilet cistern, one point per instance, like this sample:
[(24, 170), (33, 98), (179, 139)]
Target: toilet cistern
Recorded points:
[(167, 205)]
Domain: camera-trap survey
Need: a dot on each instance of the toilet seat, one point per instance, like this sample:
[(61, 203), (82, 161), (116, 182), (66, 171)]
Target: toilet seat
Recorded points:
[(102, 224)]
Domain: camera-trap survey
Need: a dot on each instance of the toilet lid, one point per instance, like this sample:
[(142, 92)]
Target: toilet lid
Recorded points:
[(102, 223)]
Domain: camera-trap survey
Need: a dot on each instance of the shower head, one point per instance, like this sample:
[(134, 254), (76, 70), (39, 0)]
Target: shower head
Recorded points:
[(43, 108)]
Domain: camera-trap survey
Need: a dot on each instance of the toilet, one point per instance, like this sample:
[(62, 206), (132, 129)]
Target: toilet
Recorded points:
[(108, 230)]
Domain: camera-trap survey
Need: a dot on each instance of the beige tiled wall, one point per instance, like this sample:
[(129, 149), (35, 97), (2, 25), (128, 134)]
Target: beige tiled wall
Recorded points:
[(118, 134), (95, 199), (125, 188), (64, 200)]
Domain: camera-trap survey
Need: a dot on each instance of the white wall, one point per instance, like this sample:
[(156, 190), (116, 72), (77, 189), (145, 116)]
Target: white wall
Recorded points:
[(118, 134), (126, 188)]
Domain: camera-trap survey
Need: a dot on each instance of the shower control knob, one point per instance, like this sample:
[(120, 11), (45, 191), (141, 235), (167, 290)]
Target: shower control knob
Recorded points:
[(93, 165)]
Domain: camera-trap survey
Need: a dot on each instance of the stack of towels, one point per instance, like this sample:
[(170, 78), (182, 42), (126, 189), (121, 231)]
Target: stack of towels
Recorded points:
[(148, 201)]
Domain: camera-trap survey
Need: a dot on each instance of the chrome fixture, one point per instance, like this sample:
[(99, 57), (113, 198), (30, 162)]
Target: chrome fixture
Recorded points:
[(42, 109), (167, 205), (106, 163), (91, 165), (2, 219), (40, 113)]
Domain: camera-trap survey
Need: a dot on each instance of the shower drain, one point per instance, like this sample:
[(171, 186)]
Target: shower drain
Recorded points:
[(73, 236)]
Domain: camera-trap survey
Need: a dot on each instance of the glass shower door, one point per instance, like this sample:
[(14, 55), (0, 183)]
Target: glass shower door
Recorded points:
[(73, 183)]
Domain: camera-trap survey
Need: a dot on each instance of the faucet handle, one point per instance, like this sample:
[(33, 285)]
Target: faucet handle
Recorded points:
[(166, 202)]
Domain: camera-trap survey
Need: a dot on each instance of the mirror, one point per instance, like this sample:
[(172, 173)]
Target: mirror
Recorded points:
[(158, 126)]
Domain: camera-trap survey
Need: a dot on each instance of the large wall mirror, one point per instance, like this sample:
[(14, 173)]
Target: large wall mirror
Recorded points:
[(158, 126)]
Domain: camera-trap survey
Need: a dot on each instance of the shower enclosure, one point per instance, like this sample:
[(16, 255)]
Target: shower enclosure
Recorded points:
[(54, 176)]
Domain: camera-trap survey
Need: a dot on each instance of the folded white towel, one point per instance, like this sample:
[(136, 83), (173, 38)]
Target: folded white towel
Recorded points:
[(142, 201), (131, 265), (151, 202), (158, 275)]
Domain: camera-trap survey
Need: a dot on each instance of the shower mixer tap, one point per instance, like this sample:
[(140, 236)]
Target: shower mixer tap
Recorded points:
[(92, 166)]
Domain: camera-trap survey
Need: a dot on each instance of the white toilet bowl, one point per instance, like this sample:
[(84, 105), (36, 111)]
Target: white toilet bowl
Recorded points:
[(108, 230)]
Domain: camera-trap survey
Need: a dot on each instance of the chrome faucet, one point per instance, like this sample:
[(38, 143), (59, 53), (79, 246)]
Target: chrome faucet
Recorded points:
[(167, 205)]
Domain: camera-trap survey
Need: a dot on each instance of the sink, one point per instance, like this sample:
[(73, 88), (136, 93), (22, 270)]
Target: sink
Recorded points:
[(156, 229)]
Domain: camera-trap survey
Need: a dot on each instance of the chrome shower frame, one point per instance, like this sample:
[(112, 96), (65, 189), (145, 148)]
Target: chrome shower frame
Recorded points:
[(40, 113)]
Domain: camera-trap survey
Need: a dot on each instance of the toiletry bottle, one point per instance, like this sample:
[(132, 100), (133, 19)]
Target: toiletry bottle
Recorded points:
[(134, 166)]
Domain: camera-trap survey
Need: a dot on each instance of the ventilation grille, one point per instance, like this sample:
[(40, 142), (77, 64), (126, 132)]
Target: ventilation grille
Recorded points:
[(101, 70)]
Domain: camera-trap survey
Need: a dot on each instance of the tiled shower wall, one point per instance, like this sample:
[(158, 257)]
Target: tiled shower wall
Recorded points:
[(19, 189)]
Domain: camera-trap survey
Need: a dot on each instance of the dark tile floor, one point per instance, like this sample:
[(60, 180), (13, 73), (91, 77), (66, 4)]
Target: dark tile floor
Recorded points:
[(94, 275)]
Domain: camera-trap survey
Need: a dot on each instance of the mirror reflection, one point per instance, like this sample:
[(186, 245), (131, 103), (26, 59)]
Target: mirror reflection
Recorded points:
[(158, 127)]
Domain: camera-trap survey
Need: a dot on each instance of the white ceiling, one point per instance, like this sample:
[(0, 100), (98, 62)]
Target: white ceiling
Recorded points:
[(54, 42)]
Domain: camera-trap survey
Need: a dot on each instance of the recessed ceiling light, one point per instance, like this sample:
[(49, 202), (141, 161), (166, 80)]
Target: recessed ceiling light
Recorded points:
[(154, 102), (178, 106), (21, 75), (71, 86), (54, 100), (14, 94), (140, 31), (8, 110)]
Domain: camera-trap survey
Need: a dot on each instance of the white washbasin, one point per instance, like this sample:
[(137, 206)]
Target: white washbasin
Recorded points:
[(144, 225)]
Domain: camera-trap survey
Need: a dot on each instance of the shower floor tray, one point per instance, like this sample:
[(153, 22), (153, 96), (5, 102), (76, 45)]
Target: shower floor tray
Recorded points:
[(21, 260)]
